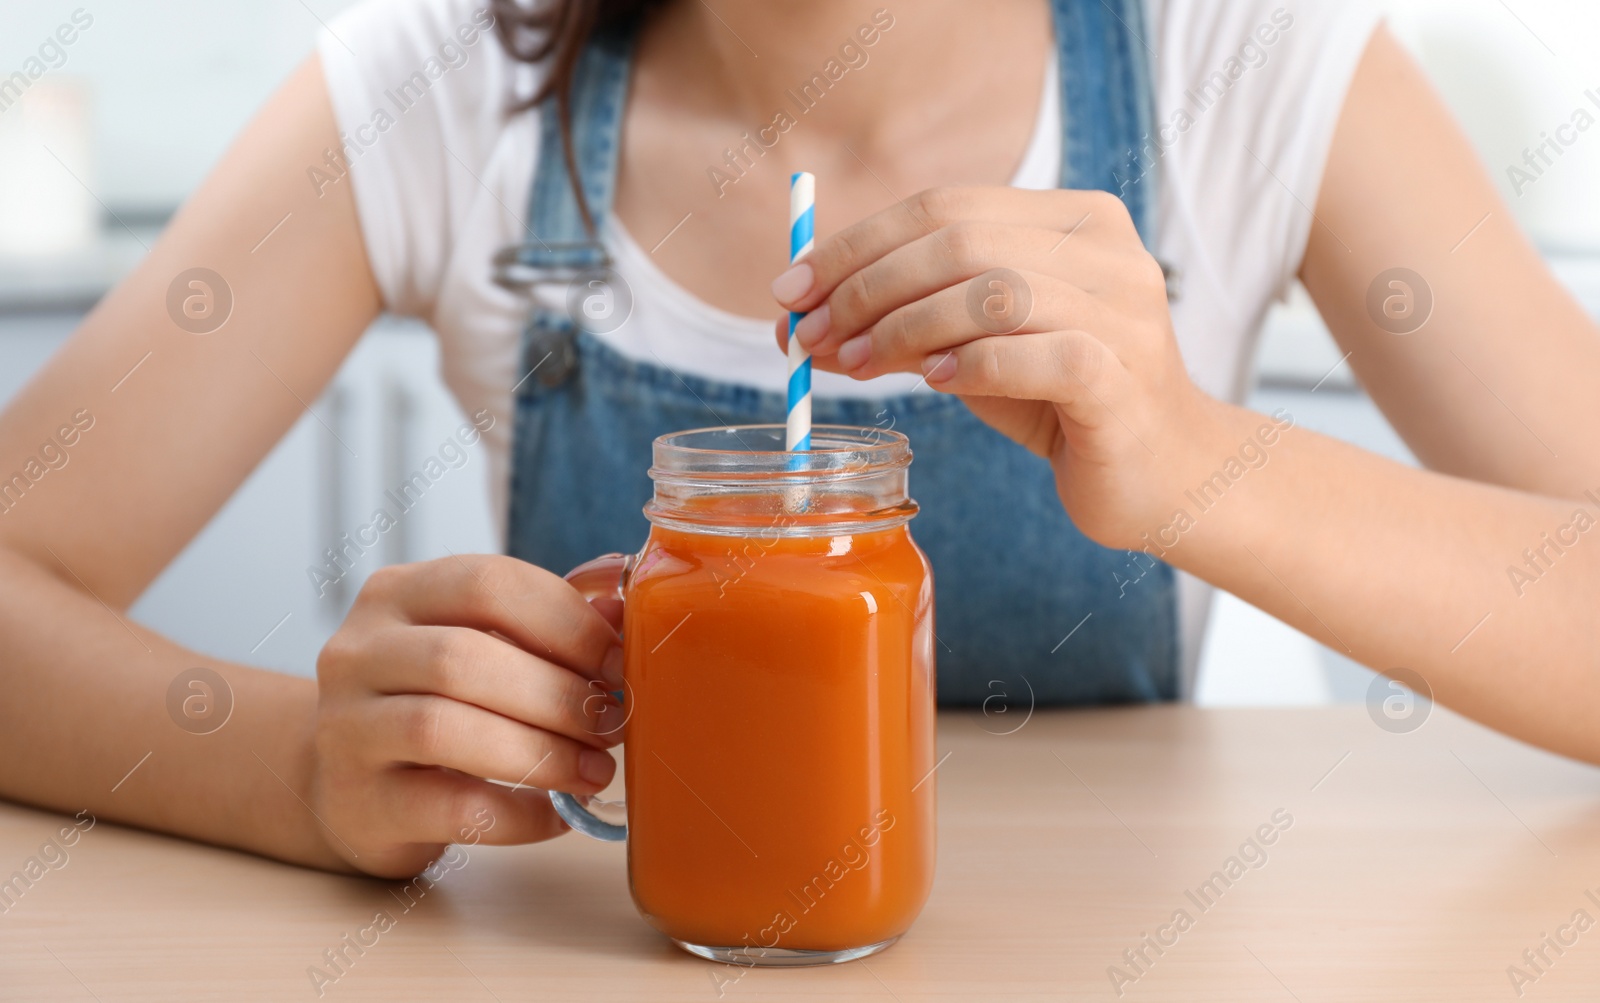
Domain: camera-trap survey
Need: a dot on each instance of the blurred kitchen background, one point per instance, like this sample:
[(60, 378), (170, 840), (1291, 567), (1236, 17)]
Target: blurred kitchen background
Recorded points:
[(148, 97)]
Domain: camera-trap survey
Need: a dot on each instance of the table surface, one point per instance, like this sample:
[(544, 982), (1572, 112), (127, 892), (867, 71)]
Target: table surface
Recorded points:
[(1416, 866)]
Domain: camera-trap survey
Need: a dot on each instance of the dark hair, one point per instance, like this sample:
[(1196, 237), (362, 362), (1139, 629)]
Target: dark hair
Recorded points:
[(557, 31)]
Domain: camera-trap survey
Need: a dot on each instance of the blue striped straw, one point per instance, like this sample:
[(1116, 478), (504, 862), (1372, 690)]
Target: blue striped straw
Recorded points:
[(802, 200)]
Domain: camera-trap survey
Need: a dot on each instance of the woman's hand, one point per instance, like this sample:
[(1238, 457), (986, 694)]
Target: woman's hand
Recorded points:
[(447, 674), (1069, 350)]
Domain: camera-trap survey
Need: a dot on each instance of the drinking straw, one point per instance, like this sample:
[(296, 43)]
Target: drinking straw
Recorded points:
[(802, 199)]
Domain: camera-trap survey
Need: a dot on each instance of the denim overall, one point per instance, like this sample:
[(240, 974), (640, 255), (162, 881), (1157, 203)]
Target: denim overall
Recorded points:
[(1028, 610)]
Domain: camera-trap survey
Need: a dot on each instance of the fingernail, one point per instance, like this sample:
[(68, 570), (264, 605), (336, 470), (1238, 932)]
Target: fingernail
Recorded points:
[(595, 767), (611, 667), (793, 284), (937, 368), (608, 723), (813, 327), (855, 352)]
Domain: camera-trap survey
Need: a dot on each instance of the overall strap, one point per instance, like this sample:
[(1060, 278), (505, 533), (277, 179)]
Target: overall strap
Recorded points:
[(560, 247), (1107, 103)]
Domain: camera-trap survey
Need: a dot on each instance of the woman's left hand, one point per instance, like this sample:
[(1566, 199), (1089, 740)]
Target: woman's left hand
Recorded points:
[(1068, 349)]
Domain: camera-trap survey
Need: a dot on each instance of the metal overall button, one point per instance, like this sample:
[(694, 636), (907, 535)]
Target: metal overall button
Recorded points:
[(552, 354)]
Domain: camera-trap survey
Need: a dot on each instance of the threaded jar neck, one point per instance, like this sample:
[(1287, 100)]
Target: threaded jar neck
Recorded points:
[(740, 481)]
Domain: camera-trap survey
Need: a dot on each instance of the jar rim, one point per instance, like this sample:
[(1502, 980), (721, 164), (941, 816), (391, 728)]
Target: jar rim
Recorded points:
[(739, 452), (731, 479)]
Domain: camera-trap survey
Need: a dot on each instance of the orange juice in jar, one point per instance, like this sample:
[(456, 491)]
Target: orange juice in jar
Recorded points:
[(778, 633)]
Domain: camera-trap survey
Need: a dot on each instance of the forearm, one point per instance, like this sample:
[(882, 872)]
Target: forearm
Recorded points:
[(85, 725), (1406, 568)]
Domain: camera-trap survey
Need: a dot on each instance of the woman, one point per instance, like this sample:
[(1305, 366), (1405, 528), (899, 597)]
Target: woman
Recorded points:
[(1080, 146)]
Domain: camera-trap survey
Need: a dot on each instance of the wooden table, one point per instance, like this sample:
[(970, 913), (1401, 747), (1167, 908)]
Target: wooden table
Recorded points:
[(1416, 866)]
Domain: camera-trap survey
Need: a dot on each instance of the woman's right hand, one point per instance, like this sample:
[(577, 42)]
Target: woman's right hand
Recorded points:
[(447, 674)]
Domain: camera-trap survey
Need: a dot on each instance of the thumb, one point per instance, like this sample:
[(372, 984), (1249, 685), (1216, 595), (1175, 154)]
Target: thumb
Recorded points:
[(1071, 369)]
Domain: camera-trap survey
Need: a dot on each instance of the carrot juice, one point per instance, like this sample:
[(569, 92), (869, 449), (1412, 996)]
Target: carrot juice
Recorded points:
[(781, 737)]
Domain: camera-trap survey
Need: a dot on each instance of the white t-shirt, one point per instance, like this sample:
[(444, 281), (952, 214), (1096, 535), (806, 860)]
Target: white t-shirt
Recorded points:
[(1248, 93)]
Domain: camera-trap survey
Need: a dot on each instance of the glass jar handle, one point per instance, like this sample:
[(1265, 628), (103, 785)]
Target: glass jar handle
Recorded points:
[(601, 582)]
